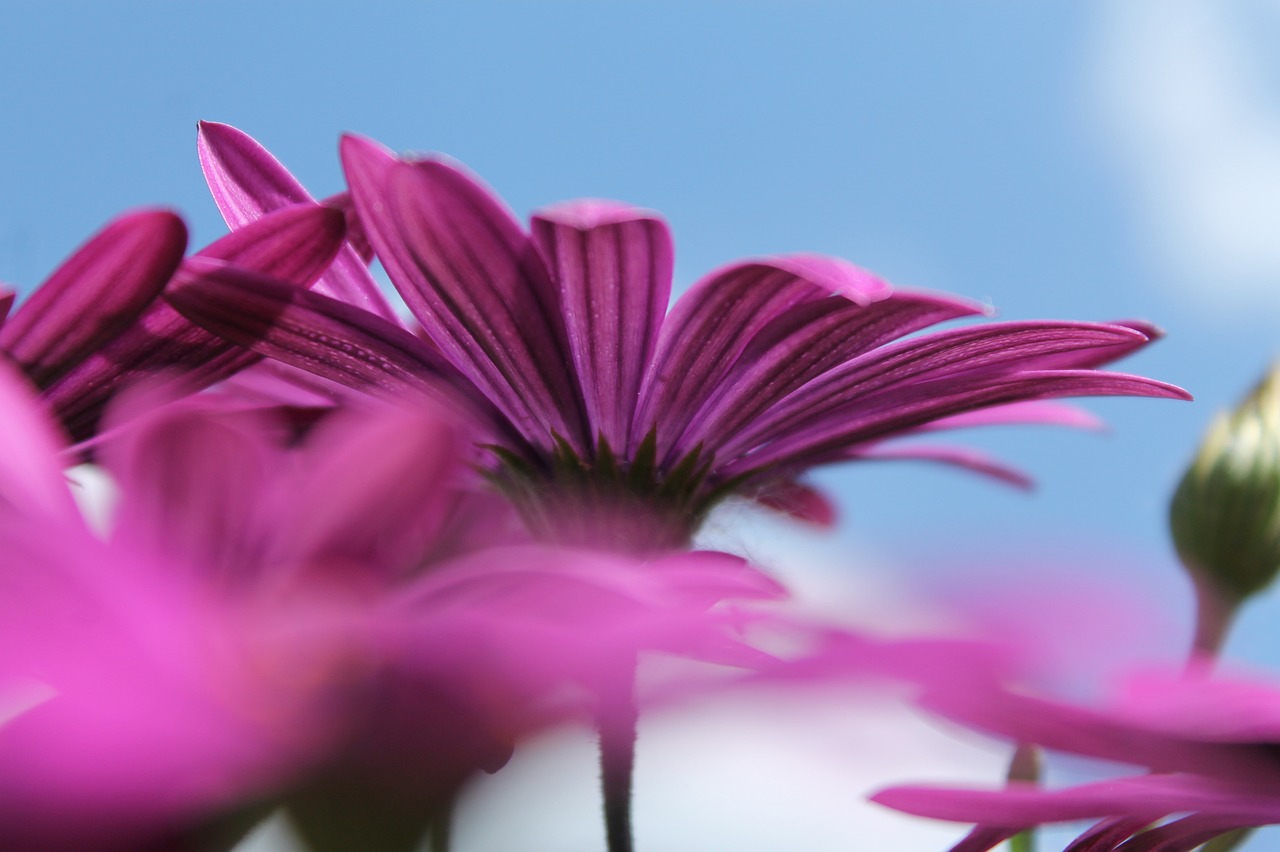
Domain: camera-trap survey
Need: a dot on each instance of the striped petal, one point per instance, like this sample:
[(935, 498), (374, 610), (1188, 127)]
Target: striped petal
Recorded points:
[(713, 324), (474, 280), (613, 265), (247, 182), (95, 294), (805, 342), (294, 244), (325, 337), (962, 358), (911, 406)]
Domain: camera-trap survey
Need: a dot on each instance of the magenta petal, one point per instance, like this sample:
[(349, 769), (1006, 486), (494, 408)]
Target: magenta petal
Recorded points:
[(474, 281), (247, 183), (613, 265), (357, 236), (31, 477), (377, 492), (294, 243), (96, 292), (712, 325), (905, 385), (1034, 413), (193, 481), (323, 336), (965, 458), (6, 302), (801, 501), (806, 341)]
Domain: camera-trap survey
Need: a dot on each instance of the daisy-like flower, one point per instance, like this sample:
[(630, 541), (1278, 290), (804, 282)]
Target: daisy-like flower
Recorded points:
[(99, 322), (612, 421), (1210, 739), (319, 624)]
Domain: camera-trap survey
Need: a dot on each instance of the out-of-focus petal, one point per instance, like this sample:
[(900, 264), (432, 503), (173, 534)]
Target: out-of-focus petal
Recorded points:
[(94, 294), (31, 480), (966, 458), (613, 265)]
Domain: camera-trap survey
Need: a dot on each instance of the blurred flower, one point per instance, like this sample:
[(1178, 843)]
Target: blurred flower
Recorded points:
[(99, 322), (275, 622), (1211, 739), (1225, 514), (611, 421)]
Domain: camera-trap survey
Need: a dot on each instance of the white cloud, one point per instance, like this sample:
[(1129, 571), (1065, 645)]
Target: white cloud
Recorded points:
[(1181, 91)]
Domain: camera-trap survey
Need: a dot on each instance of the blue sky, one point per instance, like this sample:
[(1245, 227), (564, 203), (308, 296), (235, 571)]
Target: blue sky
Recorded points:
[(1057, 159)]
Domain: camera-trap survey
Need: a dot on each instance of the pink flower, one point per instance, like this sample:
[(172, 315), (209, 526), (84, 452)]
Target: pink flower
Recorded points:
[(1211, 740), (268, 619), (599, 404)]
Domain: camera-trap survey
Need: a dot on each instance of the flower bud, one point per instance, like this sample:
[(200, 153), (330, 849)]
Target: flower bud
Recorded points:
[(1225, 515)]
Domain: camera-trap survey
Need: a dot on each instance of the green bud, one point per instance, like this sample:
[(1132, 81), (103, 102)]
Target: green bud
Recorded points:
[(1225, 515)]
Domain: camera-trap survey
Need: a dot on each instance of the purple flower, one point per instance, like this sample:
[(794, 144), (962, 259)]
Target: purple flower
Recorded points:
[(99, 322), (1212, 741), (266, 617), (611, 420)]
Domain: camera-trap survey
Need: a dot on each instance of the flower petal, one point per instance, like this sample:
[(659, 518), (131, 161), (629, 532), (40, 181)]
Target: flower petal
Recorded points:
[(904, 409), (31, 477), (613, 265), (474, 281), (324, 336), (247, 183), (965, 458), (94, 294), (712, 325), (295, 243), (806, 341), (967, 361)]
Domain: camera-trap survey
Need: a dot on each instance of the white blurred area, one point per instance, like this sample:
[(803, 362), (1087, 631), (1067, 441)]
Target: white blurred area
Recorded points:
[(1187, 94)]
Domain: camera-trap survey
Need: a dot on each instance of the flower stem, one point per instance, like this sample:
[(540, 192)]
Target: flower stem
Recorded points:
[(616, 725)]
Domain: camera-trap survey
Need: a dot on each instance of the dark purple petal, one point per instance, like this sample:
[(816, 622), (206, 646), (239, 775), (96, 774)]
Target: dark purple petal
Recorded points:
[(713, 324), (357, 236), (474, 280), (294, 243), (6, 302), (247, 183), (806, 341), (799, 500), (969, 358), (94, 294), (903, 409), (324, 336), (613, 265)]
